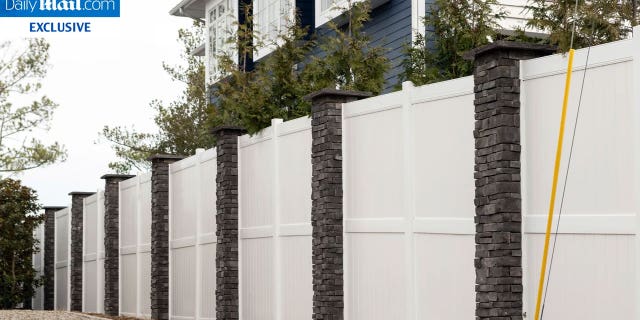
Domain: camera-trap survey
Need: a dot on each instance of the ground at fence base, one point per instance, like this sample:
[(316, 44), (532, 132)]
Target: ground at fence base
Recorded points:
[(53, 315), (103, 316)]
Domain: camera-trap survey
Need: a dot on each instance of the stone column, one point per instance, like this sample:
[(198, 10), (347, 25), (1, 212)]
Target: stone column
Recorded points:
[(111, 241), (49, 254), (326, 209), (227, 300), (498, 258), (160, 235), (75, 273)]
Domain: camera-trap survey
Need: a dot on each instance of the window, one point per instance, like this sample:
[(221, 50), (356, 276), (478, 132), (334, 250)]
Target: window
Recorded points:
[(327, 10), (270, 18), (220, 23)]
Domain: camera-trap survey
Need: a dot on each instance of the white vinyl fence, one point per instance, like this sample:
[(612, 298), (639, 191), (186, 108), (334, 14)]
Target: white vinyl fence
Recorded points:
[(408, 212), (408, 161), (275, 222), (37, 302), (93, 254), (192, 234), (62, 259), (595, 262), (135, 246)]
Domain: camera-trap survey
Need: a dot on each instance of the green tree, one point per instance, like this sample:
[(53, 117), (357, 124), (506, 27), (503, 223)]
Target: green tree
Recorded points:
[(596, 22), (182, 123), (455, 27), (18, 219), (274, 89), (278, 84), (351, 62), (23, 66)]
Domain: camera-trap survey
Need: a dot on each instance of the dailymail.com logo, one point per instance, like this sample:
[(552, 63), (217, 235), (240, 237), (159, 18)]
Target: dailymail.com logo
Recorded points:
[(60, 8)]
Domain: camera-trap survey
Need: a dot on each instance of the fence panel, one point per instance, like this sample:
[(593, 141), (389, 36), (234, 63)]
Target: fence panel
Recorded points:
[(595, 252), (93, 254), (275, 222), (62, 259), (37, 302), (407, 205), (135, 246), (192, 234)]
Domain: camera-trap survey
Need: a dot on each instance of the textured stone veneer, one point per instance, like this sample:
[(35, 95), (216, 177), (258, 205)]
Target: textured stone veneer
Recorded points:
[(498, 257), (326, 209), (160, 235), (227, 301), (111, 241), (75, 274), (49, 253)]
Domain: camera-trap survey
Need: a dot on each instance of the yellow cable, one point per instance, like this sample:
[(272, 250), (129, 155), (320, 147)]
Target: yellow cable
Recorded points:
[(554, 186)]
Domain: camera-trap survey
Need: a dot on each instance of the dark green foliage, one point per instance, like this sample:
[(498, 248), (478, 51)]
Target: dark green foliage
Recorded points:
[(277, 86), (351, 63), (182, 123), (274, 89), (596, 22), (456, 26), (18, 220)]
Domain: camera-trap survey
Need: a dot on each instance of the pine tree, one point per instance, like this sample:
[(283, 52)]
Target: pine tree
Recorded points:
[(596, 22), (455, 27), (350, 61)]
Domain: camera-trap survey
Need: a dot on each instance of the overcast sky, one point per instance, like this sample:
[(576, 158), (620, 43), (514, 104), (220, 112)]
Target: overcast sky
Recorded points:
[(106, 77)]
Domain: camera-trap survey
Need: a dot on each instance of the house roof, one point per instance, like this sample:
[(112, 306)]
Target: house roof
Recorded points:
[(189, 8)]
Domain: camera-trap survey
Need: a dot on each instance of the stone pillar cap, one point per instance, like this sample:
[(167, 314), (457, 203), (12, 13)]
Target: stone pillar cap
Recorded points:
[(53, 208), (338, 93), (81, 193), (165, 157), (117, 176), (234, 129), (503, 45)]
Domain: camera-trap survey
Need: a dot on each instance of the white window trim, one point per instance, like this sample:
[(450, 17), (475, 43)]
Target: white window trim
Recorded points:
[(212, 78), (284, 20), (322, 17), (418, 11)]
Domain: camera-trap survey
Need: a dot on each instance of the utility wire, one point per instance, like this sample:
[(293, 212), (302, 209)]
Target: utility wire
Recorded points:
[(575, 18), (566, 176)]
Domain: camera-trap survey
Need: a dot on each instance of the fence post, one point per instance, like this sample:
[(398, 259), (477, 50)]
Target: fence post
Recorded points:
[(498, 257), (636, 116), (75, 266), (49, 250), (160, 234), (326, 195), (227, 299), (111, 242)]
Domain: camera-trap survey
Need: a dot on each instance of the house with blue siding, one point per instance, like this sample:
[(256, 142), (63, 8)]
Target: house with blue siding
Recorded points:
[(392, 25)]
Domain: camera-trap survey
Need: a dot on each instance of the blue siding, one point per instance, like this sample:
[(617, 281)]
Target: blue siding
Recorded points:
[(306, 11), (389, 27)]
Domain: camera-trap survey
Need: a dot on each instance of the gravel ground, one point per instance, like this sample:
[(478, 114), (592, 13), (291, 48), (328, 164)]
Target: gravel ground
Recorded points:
[(42, 315), (51, 315)]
